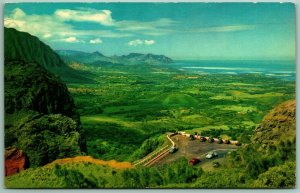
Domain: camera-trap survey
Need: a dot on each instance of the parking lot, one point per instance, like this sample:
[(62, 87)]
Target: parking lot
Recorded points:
[(195, 149)]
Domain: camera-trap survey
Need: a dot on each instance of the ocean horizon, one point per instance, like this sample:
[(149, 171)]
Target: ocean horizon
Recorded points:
[(284, 69)]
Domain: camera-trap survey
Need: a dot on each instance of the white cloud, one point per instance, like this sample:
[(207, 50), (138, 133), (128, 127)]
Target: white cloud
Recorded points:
[(228, 28), (155, 28), (55, 27), (149, 42), (138, 42), (71, 40), (51, 28), (96, 41), (88, 15), (135, 42), (47, 35), (18, 13)]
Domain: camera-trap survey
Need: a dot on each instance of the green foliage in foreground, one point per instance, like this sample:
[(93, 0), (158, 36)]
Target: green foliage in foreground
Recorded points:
[(282, 176), (176, 175), (46, 138), (257, 161), (86, 175)]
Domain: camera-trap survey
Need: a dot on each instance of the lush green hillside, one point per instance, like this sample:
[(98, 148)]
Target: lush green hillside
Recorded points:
[(272, 150), (23, 46), (278, 125), (87, 175), (126, 111), (40, 116), (249, 167), (30, 86)]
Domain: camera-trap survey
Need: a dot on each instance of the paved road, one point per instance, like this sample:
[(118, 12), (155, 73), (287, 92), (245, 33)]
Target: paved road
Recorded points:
[(195, 149)]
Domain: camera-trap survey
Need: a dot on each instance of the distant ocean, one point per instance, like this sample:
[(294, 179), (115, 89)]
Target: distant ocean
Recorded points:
[(280, 69)]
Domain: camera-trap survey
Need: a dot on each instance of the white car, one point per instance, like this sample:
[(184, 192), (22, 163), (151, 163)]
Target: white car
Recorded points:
[(211, 155)]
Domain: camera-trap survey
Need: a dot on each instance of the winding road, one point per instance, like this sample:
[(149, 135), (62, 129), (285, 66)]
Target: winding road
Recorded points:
[(186, 148)]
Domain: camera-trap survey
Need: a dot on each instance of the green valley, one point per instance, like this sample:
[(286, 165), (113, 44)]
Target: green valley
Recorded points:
[(139, 103), (132, 117)]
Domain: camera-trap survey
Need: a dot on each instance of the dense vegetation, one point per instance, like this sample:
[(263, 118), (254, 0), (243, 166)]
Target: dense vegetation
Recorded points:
[(137, 102), (40, 116), (125, 111), (29, 86), (85, 175), (23, 46)]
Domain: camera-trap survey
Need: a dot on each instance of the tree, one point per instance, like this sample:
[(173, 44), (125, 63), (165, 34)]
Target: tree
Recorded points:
[(282, 176)]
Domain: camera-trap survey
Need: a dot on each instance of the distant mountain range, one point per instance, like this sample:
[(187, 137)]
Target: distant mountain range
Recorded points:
[(96, 58)]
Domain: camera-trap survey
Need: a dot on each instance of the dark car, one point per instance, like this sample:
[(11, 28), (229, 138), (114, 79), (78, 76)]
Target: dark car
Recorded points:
[(194, 161), (226, 141), (202, 139), (220, 140), (211, 140), (192, 137)]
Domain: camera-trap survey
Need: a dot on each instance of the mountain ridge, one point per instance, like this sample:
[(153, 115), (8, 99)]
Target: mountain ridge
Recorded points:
[(28, 48), (31, 50), (97, 57)]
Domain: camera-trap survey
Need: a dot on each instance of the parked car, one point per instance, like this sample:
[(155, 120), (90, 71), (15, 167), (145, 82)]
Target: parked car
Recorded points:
[(226, 141), (211, 140), (211, 155), (220, 140), (192, 137), (194, 161), (202, 139)]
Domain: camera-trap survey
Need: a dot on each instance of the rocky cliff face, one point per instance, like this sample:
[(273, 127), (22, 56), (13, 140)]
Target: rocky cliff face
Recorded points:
[(41, 118), (40, 115), (30, 86), (278, 125), (15, 161)]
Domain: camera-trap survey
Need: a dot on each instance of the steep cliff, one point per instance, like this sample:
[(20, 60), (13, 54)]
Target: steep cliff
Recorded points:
[(278, 125), (40, 115)]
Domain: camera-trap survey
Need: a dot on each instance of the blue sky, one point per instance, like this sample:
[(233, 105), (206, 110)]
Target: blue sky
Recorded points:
[(178, 30)]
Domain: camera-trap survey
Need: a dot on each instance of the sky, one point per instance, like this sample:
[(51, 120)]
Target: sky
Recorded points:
[(178, 30)]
